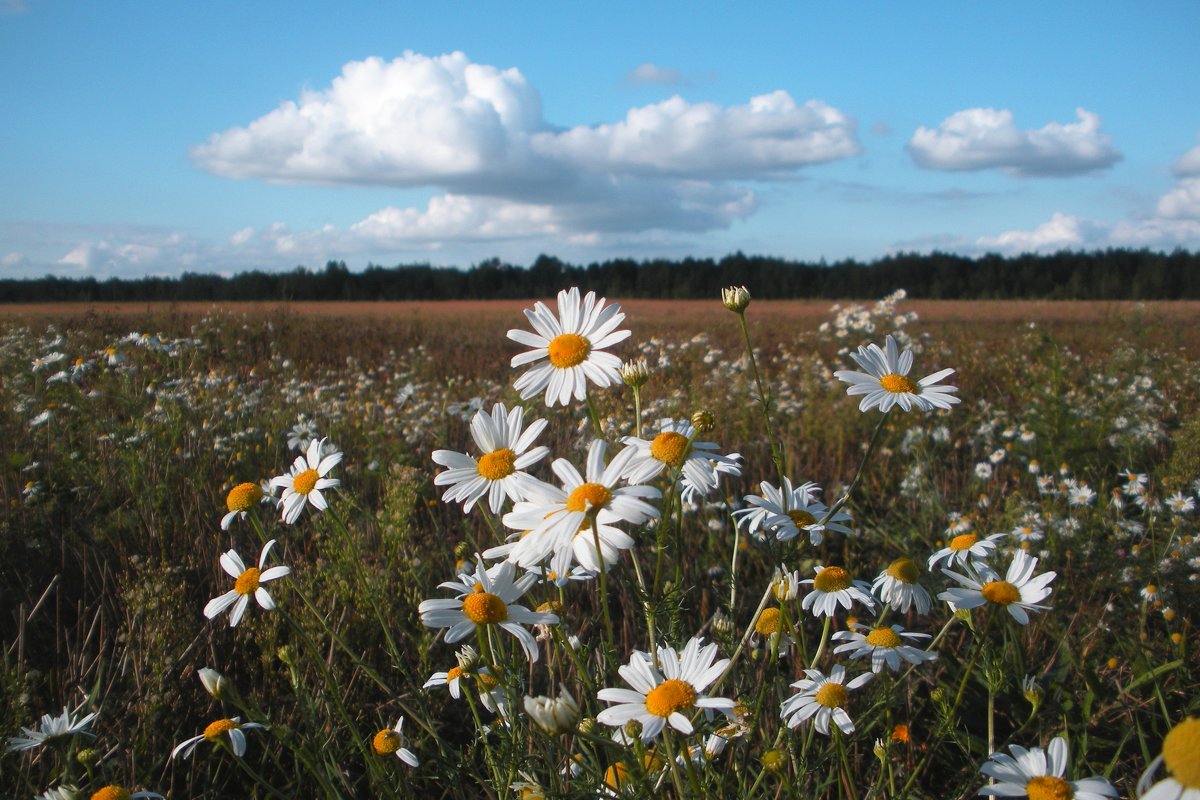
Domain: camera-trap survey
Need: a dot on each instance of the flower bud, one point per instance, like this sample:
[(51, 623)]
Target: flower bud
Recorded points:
[(735, 298), (467, 657), (553, 715), (214, 682), (774, 761), (704, 421), (634, 373)]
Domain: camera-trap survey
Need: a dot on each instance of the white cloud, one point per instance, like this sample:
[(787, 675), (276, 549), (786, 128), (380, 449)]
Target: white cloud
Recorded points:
[(987, 138), (654, 75), (1060, 232), (1188, 164), (1181, 202)]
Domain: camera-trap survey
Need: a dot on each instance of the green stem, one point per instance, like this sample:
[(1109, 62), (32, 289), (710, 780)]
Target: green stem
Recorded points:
[(764, 398)]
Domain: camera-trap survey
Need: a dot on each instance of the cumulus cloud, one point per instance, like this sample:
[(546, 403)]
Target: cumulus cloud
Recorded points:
[(1060, 232), (649, 74), (1181, 202), (1188, 164), (987, 138)]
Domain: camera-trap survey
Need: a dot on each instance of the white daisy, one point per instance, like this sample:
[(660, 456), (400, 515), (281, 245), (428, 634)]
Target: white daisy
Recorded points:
[(884, 645), (391, 740), (451, 679), (572, 344), (1038, 775), (582, 546), (822, 699), (772, 503), (1181, 503), (554, 715), (1018, 593), (965, 549), (832, 587), (239, 501), (216, 732), (306, 479), (1181, 754), (690, 493), (885, 382), (247, 581), (486, 598), (51, 729), (665, 695), (897, 586), (812, 518), (498, 472), (674, 448)]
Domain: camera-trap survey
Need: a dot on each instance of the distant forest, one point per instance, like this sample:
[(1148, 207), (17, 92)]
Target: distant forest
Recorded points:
[(1114, 274)]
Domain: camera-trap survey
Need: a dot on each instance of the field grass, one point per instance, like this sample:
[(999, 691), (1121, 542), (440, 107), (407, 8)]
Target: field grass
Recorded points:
[(121, 453)]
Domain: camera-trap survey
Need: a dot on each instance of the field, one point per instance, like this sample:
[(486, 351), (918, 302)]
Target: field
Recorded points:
[(136, 437)]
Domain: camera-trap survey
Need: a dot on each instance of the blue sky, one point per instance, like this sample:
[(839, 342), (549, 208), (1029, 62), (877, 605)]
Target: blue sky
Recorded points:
[(154, 138)]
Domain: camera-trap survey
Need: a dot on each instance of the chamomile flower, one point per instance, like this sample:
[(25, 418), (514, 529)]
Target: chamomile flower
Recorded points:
[(1018, 593), (506, 451), (1181, 503), (554, 715), (1038, 775), (833, 586), (674, 449), (239, 501), (665, 696), (116, 792), (771, 626), (391, 741), (486, 598), (451, 679), (613, 541), (572, 345), (885, 382), (813, 518), (822, 699), (247, 581), (52, 729), (218, 731), (306, 479), (885, 646), (1181, 754), (773, 503), (897, 586), (965, 549)]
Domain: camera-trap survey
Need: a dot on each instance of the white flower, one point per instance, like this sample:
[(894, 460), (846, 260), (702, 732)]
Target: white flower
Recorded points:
[(52, 728), (306, 479), (897, 586), (885, 382), (662, 696), (214, 682), (832, 587), (1181, 503), (1037, 773), (499, 470), (1182, 756), (391, 740), (247, 581), (1018, 593), (215, 732), (773, 503), (822, 699), (884, 645), (673, 448), (572, 344), (965, 549), (302, 434), (554, 715)]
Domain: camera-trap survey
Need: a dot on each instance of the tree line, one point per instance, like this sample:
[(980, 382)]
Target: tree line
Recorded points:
[(1113, 274)]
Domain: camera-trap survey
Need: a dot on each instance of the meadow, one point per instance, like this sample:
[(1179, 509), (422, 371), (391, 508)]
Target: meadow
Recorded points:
[(655, 616)]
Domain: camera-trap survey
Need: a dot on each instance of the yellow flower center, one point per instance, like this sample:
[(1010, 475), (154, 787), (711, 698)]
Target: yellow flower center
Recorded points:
[(616, 776), (112, 792), (487, 681), (386, 742), (670, 696), (247, 582), (883, 637), (305, 482), (568, 350), (1048, 787), (802, 518), (588, 495), (670, 448), (1181, 751), (216, 730), (1002, 593), (898, 384), (774, 761), (453, 673), (832, 579), (497, 464), (832, 695), (484, 608), (963, 542), (243, 497), (770, 621), (903, 570)]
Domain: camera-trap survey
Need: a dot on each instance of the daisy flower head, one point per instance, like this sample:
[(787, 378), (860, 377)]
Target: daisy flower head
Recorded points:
[(554, 715), (965, 550), (572, 345), (897, 586), (773, 503), (391, 741), (1018, 593), (452, 679), (885, 382), (666, 695), (1181, 754), (1038, 775), (487, 598), (822, 699), (247, 581), (1181, 503), (772, 627), (675, 448), (306, 479), (52, 729), (116, 792), (218, 732), (834, 586), (885, 645), (239, 501), (506, 451)]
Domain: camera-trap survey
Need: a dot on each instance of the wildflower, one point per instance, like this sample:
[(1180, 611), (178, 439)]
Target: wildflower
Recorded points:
[(499, 471), (1181, 753), (217, 732), (822, 699), (674, 449), (885, 382), (451, 679), (833, 586), (735, 298), (785, 585), (306, 479), (391, 740), (1019, 592), (66, 791), (486, 598), (247, 581), (115, 792), (1038, 775), (897, 586), (239, 501), (52, 729), (302, 434), (884, 645), (1181, 503), (662, 697), (214, 682), (1080, 495), (983, 470), (770, 624), (554, 715), (572, 345), (965, 549), (634, 374)]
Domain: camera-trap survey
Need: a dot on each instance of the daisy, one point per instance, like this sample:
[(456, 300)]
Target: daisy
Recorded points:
[(216, 732), (674, 448), (239, 501), (1038, 775), (965, 549), (486, 598), (554, 715), (451, 679), (115, 792), (813, 518), (498, 472), (247, 581), (306, 479), (897, 586), (52, 729), (690, 493), (885, 382), (1181, 503), (391, 740), (834, 586), (822, 699), (772, 503), (582, 548), (1181, 753), (884, 645), (1018, 593), (770, 625), (665, 695), (572, 345)]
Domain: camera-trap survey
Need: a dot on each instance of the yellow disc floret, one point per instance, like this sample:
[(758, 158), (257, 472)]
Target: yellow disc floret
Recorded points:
[(305, 482), (832, 579), (247, 582), (832, 695), (1181, 751), (111, 792), (670, 448), (243, 497), (588, 496), (1048, 787), (386, 742), (963, 541), (898, 384), (216, 730), (497, 464), (484, 608), (883, 637), (770, 621), (1002, 593), (802, 518), (903, 570), (670, 696), (568, 350)]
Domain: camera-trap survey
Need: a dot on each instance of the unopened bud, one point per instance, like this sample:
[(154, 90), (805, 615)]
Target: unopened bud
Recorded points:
[(215, 683), (1032, 692), (461, 551), (880, 749), (88, 757), (774, 761), (704, 421), (634, 373), (722, 623), (467, 657), (587, 725), (633, 729), (735, 298)]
